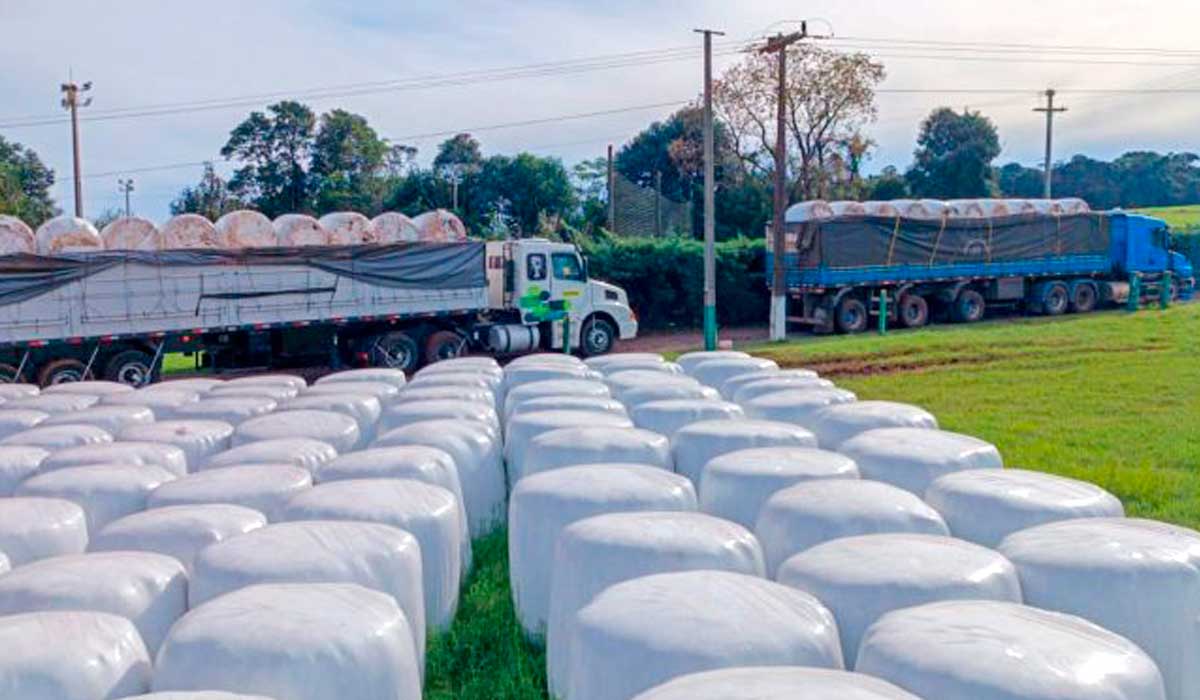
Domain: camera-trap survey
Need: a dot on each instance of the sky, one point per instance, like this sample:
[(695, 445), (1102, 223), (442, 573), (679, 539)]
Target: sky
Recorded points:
[(140, 53)]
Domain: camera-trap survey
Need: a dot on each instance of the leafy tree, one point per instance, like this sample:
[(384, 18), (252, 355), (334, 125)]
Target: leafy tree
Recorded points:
[(347, 159), (462, 150), (211, 197), (1095, 181), (107, 217), (590, 180), (416, 192), (1016, 180), (274, 149), (25, 184), (526, 188), (888, 184), (954, 156)]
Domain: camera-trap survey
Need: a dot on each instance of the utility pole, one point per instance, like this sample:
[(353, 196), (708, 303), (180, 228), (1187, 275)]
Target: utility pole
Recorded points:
[(710, 265), (658, 224), (612, 195), (1049, 109), (71, 102), (125, 186)]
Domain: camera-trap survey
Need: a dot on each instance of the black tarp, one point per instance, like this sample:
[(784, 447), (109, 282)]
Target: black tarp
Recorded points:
[(399, 265), (868, 241)]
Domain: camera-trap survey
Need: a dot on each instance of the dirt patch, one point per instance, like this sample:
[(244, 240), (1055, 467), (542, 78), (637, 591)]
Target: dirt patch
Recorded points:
[(683, 340)]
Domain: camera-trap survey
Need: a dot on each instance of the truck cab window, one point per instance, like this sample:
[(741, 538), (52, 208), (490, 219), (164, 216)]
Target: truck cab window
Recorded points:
[(535, 266), (567, 267)]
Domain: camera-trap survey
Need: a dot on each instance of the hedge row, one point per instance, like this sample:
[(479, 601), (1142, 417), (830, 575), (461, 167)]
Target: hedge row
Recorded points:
[(665, 279)]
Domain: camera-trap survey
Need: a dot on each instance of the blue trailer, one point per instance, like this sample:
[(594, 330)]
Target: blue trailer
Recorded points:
[(843, 270)]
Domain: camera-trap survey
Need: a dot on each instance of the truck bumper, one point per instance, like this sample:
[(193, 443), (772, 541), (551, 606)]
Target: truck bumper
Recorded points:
[(628, 328)]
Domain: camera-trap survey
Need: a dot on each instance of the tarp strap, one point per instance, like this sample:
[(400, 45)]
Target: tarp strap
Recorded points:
[(937, 242), (892, 243), (989, 239)]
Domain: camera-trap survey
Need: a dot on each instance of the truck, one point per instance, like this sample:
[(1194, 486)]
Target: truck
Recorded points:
[(116, 314), (844, 270)]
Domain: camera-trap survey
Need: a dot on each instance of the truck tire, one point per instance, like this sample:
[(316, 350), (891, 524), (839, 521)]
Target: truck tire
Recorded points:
[(8, 374), (851, 316), (444, 345), (597, 337), (969, 307), (62, 371), (395, 350), (1084, 298), (912, 311), (132, 367), (1055, 299)]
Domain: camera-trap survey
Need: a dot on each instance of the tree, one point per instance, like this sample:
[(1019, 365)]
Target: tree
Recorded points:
[(211, 197), (347, 158), (25, 184), (274, 149), (1016, 180), (528, 188), (462, 150), (887, 185), (107, 217), (1095, 181), (590, 181), (954, 156)]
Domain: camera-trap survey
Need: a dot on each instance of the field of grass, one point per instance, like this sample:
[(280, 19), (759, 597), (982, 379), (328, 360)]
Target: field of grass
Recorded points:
[(1181, 218), (1109, 397)]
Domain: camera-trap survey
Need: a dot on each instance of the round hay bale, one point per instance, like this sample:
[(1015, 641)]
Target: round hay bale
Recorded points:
[(522, 429), (199, 439), (475, 363), (162, 402), (190, 231), (157, 454), (769, 385), (667, 392), (347, 228), (312, 641), (53, 403), (1137, 578), (598, 552), (276, 393), (668, 417), (298, 230), (197, 695), (776, 683), (394, 377), (245, 229), (716, 372), (544, 358), (18, 391), (596, 444), (290, 380), (37, 528), (913, 458), (76, 655), (640, 633), (97, 387), (602, 363), (735, 485), (797, 406), (18, 463), (695, 444), (985, 506), (440, 226), (393, 227), (337, 429), (624, 381), (361, 406), (266, 488), (570, 403), (59, 436), (545, 503), (131, 233), (147, 588), (383, 391), (403, 413), (516, 375), (990, 650), (553, 387), (15, 236), (429, 513), (306, 453), (110, 419), (837, 424), (669, 368), (104, 491), (18, 420), (180, 532), (67, 234), (802, 516), (689, 360), (730, 386), (198, 385), (860, 579), (813, 210), (378, 557), (481, 381)]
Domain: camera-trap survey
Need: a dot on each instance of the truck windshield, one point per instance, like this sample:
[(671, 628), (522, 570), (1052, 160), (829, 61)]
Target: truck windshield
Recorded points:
[(567, 267)]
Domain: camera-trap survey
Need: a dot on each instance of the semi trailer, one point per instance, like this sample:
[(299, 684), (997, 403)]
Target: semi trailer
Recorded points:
[(915, 264), (116, 314)]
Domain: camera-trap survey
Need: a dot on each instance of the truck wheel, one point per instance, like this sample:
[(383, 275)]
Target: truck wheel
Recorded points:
[(444, 345), (395, 350), (598, 337), (1055, 300), (912, 311), (62, 371), (969, 307), (8, 374), (1084, 299), (132, 367), (851, 315)]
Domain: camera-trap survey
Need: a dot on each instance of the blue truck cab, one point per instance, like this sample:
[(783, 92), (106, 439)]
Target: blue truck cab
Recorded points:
[(1142, 245)]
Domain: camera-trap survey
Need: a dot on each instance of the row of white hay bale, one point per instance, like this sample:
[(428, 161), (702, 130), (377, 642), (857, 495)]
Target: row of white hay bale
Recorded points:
[(934, 209), (737, 516), (234, 231), (263, 536)]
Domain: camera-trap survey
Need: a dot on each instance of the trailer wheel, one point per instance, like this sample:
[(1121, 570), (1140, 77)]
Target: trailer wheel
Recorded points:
[(395, 350), (598, 337), (8, 374), (444, 345), (1055, 300), (132, 367), (851, 315), (1084, 298), (969, 307), (912, 311), (63, 371)]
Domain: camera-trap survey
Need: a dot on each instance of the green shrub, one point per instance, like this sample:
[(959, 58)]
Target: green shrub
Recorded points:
[(665, 279), (1189, 244)]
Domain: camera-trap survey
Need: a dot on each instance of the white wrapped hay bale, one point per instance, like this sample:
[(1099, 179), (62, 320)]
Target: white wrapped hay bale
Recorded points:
[(985, 506), (311, 641), (393, 227), (266, 488), (59, 436), (522, 429), (361, 406), (625, 381), (336, 429), (640, 633), (277, 393), (296, 230), (596, 444), (53, 403), (110, 419), (837, 424), (198, 385), (18, 463), (198, 695), (440, 226), (233, 410), (67, 234), (162, 402), (477, 457), (714, 373), (860, 579), (989, 650), (770, 385), (429, 513), (604, 363), (386, 393), (347, 228), (669, 416), (71, 656), (147, 588), (476, 363), (658, 365), (1137, 578), (598, 552), (730, 386), (37, 528), (168, 457), (17, 391), (689, 360), (15, 236), (180, 532), (913, 458), (543, 504), (303, 452), (570, 403), (544, 358), (291, 380), (403, 413), (807, 514), (96, 387), (104, 491), (695, 444), (199, 439), (383, 375), (18, 420), (735, 485), (479, 381), (553, 387), (797, 406), (189, 231), (131, 233), (776, 683), (375, 556), (666, 392), (245, 229)]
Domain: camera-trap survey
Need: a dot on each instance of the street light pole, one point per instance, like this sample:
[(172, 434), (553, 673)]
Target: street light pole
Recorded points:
[(1050, 110), (126, 186), (710, 264), (70, 101)]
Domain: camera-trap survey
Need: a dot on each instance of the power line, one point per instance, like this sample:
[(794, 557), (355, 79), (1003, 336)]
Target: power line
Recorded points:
[(1093, 49), (543, 120)]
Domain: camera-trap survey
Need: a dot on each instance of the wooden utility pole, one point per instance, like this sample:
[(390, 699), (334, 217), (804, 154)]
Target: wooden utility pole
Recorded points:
[(126, 186), (612, 195), (71, 102), (710, 265), (1050, 110)]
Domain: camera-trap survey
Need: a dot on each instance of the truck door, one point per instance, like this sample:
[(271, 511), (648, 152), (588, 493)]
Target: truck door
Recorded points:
[(569, 280)]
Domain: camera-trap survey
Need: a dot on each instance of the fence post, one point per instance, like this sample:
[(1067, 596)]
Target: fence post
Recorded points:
[(883, 311), (1164, 291), (1135, 292)]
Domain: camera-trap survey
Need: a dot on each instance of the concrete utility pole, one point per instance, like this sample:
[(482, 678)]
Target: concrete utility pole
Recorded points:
[(612, 198), (710, 264), (1049, 109), (71, 102), (125, 186)]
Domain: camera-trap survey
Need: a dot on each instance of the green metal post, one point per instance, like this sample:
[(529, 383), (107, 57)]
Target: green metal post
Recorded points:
[(1135, 292), (710, 327), (883, 311), (1164, 291), (567, 334)]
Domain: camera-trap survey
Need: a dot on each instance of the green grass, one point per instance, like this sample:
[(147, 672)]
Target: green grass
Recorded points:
[(1181, 218)]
